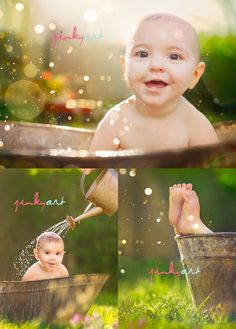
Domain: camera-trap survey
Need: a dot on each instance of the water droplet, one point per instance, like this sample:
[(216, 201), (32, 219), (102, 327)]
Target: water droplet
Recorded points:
[(132, 173), (1, 144), (7, 127), (52, 26), (110, 56), (148, 191), (86, 78), (195, 226), (190, 218), (123, 242), (20, 6), (158, 220), (122, 171), (38, 28), (122, 271), (71, 103), (158, 242), (69, 50), (99, 103), (116, 141)]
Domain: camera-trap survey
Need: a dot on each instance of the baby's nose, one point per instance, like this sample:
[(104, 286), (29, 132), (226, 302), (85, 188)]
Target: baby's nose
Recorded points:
[(157, 64)]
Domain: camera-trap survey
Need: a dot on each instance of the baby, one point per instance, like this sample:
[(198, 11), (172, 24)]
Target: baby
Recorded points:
[(49, 252), (184, 210), (161, 62)]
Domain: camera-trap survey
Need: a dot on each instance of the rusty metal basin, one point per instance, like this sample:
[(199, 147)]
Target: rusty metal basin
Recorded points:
[(39, 145), (52, 301), (215, 254)]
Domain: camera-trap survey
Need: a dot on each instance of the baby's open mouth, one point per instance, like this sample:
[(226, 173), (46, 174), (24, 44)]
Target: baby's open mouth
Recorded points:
[(155, 84)]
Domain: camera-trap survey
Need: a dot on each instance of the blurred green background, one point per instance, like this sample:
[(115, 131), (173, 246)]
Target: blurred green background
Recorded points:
[(90, 248)]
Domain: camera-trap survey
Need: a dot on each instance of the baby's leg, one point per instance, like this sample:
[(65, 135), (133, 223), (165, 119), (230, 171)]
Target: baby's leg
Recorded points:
[(176, 201), (190, 222)]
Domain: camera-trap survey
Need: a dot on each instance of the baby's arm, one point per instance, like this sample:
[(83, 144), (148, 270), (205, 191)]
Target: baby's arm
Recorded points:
[(31, 274), (64, 271), (106, 134), (202, 131)]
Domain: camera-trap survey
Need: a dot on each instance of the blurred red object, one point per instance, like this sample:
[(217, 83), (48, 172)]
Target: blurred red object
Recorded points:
[(47, 75)]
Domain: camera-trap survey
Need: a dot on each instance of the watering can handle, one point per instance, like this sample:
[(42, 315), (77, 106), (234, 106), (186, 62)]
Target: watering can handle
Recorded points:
[(82, 179)]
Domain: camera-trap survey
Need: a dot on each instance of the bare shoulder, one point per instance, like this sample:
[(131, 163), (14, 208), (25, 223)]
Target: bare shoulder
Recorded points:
[(32, 273), (201, 130), (64, 271), (108, 129)]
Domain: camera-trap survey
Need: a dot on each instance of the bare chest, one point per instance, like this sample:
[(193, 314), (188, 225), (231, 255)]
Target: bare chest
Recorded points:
[(154, 136)]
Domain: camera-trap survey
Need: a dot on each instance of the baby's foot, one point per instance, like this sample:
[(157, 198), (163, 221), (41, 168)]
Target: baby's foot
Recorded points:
[(190, 222), (176, 201)]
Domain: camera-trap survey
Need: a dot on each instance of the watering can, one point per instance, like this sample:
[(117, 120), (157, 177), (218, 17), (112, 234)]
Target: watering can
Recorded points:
[(103, 193)]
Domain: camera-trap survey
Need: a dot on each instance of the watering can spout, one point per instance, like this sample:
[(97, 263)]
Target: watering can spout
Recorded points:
[(90, 213)]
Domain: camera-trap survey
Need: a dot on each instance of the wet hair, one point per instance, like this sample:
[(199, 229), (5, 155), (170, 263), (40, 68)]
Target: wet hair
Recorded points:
[(173, 18), (47, 237)]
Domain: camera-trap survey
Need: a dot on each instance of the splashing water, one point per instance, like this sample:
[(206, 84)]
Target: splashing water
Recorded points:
[(26, 257)]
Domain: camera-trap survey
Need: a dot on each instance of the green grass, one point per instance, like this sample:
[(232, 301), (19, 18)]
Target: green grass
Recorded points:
[(163, 302)]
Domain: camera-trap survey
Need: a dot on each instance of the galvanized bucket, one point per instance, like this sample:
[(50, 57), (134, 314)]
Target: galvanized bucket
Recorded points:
[(30, 145), (215, 255)]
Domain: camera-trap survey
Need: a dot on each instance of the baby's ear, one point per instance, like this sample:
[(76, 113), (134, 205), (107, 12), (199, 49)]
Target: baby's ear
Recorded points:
[(36, 253), (122, 63), (199, 70)]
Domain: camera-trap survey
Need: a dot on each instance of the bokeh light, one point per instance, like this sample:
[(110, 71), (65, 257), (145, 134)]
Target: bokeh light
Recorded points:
[(148, 191), (30, 70), (90, 16), (20, 6), (38, 28), (24, 99)]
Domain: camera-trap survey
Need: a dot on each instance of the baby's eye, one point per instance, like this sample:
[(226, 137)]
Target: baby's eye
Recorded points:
[(141, 54), (47, 252), (58, 253), (175, 57)]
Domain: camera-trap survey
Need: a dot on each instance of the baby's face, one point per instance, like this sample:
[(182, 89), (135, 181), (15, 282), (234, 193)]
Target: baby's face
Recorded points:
[(161, 62), (50, 255)]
